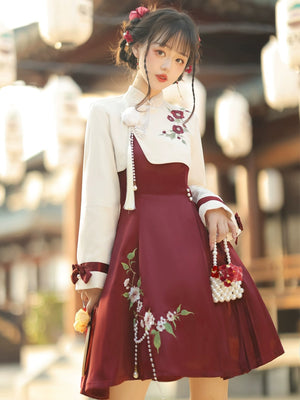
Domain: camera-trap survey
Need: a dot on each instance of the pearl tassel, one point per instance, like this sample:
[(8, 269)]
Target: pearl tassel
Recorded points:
[(130, 175)]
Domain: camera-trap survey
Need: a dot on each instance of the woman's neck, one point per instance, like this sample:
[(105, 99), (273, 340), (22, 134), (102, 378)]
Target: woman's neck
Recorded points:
[(140, 84)]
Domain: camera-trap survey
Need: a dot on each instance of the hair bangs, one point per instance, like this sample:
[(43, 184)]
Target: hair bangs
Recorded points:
[(177, 37)]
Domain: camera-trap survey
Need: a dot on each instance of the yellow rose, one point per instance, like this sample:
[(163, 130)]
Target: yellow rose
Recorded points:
[(82, 319)]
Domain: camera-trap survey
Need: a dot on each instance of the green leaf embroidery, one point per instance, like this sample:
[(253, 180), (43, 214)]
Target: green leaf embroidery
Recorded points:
[(139, 283), (169, 329), (131, 255), (178, 308), (157, 341), (186, 312), (126, 295), (125, 266)]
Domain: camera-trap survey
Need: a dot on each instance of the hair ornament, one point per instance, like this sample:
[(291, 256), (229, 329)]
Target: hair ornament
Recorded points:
[(128, 37), (189, 69), (138, 13)]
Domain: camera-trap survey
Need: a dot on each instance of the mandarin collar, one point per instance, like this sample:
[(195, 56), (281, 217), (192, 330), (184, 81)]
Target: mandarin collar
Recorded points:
[(133, 96)]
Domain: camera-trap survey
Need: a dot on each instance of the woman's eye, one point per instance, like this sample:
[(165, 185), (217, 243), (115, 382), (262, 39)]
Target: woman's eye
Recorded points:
[(160, 52), (179, 60)]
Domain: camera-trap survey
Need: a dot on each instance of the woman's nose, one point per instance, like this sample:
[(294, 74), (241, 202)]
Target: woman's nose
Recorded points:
[(167, 64)]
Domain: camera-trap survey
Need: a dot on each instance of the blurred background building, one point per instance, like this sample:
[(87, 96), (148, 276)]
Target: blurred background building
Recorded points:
[(248, 102)]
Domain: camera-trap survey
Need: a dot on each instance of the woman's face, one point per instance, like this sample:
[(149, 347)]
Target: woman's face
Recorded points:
[(164, 66)]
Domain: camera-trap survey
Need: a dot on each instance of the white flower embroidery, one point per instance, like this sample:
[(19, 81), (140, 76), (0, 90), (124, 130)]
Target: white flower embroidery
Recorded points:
[(149, 320), (170, 316), (160, 326), (142, 323), (134, 294), (126, 282), (139, 306)]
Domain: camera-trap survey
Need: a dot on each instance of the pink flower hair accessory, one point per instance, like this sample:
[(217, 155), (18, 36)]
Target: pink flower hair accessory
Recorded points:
[(128, 37), (189, 69), (138, 13)]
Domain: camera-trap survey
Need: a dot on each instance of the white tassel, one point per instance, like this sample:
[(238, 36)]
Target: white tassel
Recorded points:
[(130, 200)]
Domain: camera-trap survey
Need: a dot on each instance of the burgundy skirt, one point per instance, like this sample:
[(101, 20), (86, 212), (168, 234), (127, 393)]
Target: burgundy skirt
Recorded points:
[(156, 318)]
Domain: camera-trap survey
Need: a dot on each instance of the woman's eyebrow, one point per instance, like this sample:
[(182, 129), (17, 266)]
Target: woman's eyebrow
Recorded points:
[(169, 47)]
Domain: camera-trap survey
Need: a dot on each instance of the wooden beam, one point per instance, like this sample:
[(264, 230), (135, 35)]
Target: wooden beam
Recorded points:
[(279, 154)]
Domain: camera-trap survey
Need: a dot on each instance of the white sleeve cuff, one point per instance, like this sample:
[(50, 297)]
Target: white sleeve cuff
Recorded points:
[(214, 204), (97, 280)]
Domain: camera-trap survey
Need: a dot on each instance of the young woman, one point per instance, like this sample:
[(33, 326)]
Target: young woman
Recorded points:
[(147, 229)]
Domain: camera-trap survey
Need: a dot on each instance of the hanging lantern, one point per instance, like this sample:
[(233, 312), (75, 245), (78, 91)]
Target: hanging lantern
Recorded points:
[(279, 93), (8, 67), (12, 166), (181, 94), (270, 190), (66, 24), (2, 195), (288, 31), (233, 124), (65, 127)]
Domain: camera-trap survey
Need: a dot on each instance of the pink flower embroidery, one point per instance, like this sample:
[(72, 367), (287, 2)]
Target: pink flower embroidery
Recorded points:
[(146, 320), (149, 320), (178, 129), (134, 294), (177, 114)]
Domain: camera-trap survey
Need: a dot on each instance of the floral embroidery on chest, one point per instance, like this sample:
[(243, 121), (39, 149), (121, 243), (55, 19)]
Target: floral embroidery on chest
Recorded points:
[(144, 320), (177, 128)]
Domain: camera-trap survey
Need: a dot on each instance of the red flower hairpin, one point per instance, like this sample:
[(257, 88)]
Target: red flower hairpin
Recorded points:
[(128, 37), (138, 13), (189, 69)]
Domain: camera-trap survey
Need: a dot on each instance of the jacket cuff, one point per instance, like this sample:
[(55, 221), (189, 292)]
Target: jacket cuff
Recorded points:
[(85, 271), (97, 280)]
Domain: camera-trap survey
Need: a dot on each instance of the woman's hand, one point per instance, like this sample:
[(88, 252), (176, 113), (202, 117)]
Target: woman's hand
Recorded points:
[(90, 297), (219, 224)]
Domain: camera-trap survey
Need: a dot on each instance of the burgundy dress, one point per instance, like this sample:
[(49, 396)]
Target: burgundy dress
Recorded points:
[(158, 292)]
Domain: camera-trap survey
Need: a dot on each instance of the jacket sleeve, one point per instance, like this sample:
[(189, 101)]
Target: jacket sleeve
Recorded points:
[(204, 198), (100, 203)]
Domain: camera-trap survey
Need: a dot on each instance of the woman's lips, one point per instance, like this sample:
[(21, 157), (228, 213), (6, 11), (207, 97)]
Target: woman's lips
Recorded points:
[(162, 78)]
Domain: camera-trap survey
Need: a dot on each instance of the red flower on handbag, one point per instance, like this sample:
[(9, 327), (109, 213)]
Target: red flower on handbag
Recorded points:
[(139, 12), (128, 37), (228, 273), (189, 69)]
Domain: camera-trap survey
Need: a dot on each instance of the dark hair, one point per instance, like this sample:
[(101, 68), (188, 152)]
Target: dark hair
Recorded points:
[(164, 25)]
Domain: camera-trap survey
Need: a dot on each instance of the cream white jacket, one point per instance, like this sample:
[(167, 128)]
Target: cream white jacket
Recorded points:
[(163, 137)]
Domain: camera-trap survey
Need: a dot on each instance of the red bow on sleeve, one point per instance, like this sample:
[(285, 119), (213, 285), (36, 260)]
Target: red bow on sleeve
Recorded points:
[(84, 273)]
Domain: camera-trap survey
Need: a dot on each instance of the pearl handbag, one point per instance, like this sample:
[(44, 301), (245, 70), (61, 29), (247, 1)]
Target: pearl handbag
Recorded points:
[(226, 279)]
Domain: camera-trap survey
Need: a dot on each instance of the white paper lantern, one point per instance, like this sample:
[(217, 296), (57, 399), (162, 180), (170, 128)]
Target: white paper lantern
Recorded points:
[(181, 94), (233, 124), (12, 166), (66, 23), (2, 195), (279, 81), (270, 190), (65, 127), (8, 67), (288, 31)]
